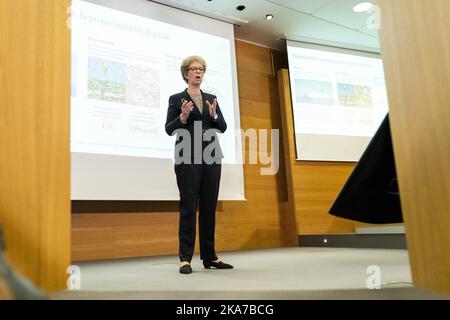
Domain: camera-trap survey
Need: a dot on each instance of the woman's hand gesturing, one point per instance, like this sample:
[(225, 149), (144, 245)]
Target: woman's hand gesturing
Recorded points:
[(186, 109), (212, 108)]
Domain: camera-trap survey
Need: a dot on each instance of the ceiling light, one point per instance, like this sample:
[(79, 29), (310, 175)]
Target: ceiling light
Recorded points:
[(269, 16), (362, 7), (240, 8)]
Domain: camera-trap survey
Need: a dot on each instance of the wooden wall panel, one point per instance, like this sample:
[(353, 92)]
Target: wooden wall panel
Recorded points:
[(315, 185), (34, 138), (263, 221), (121, 235), (415, 45)]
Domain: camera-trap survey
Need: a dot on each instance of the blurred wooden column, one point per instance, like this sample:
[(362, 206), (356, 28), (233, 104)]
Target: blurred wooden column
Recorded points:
[(35, 137), (415, 45)]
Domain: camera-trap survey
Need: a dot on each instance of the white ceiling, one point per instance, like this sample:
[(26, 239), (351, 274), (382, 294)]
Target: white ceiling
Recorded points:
[(329, 22)]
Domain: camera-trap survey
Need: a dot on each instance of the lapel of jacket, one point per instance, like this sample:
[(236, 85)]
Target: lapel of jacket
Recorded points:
[(205, 112)]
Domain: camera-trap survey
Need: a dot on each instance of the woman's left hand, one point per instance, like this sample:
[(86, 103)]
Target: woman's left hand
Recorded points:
[(212, 108)]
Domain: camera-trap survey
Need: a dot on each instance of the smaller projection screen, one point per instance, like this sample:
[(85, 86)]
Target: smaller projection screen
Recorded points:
[(339, 100)]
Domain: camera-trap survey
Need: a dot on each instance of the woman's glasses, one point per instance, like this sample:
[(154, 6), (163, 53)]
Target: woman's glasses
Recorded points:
[(195, 69)]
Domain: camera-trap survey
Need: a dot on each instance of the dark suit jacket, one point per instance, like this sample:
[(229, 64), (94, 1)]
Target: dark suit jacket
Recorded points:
[(173, 121)]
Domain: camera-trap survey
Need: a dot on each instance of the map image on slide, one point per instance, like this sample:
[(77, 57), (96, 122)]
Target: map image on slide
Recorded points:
[(106, 80), (142, 88), (313, 91), (351, 95)]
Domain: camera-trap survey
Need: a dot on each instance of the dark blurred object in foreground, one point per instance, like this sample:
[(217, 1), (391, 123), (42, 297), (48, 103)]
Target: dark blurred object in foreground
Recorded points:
[(371, 192)]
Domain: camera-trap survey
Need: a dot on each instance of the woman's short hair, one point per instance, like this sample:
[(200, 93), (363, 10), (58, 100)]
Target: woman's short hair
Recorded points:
[(187, 62)]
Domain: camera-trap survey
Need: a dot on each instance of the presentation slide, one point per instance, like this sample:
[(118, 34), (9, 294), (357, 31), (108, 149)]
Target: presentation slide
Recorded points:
[(339, 100), (125, 66)]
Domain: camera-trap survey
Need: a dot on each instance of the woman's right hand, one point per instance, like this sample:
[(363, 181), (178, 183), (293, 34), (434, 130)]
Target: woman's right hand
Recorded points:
[(186, 109)]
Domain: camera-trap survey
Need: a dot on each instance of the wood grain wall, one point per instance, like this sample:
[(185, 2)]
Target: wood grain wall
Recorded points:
[(104, 230), (315, 185), (34, 138), (415, 45)]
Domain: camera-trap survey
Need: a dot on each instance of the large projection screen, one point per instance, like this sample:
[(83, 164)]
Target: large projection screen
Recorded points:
[(339, 100), (126, 58)]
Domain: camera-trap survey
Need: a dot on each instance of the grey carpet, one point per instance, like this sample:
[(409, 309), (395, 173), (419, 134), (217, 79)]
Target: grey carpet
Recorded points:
[(279, 274)]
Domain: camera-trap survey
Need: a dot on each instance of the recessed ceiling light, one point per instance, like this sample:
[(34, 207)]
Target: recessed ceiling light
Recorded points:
[(269, 16), (362, 7), (240, 8)]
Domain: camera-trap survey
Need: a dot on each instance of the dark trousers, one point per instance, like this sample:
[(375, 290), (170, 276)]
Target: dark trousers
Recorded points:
[(199, 186)]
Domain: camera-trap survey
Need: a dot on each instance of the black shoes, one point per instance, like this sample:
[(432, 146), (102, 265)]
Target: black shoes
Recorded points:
[(186, 269), (217, 265)]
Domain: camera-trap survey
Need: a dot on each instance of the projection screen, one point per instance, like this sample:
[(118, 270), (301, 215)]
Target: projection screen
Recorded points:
[(126, 58), (339, 99)]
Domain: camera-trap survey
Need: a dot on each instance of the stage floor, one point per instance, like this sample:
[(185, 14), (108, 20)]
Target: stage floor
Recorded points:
[(283, 273)]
